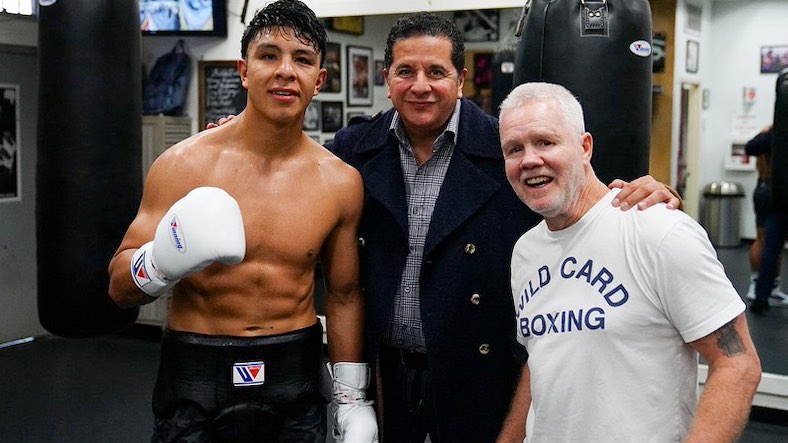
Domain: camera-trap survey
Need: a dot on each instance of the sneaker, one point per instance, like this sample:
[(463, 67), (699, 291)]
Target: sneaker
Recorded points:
[(751, 290), (778, 298)]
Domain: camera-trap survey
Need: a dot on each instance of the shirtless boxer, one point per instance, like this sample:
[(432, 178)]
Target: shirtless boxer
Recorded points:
[(233, 221)]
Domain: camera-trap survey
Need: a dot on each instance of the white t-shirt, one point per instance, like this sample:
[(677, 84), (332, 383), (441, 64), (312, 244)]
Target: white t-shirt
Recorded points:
[(605, 308)]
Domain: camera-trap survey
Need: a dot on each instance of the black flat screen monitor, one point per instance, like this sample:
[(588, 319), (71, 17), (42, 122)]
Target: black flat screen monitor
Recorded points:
[(183, 17)]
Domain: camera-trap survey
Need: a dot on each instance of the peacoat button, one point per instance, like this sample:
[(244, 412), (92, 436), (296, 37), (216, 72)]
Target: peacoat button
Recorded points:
[(476, 298), (470, 248), (484, 349), (362, 242)]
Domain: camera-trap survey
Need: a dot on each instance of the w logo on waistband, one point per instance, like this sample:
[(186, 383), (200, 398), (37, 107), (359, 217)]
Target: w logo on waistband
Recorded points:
[(250, 373)]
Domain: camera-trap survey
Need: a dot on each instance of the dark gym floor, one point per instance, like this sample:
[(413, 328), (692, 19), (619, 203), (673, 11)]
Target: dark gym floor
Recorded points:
[(98, 389)]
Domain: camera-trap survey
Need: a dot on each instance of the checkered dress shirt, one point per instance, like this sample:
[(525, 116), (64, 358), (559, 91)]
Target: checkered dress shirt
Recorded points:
[(422, 186)]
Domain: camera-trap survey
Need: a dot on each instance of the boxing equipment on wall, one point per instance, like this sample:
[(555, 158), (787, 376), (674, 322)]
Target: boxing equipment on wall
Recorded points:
[(601, 52), (780, 145), (88, 170)]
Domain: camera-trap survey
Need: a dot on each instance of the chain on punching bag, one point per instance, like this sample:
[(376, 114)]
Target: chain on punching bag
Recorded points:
[(601, 52), (780, 145), (89, 158)]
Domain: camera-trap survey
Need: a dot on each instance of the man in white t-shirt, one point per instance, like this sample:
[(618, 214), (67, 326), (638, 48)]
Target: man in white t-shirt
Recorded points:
[(614, 307)]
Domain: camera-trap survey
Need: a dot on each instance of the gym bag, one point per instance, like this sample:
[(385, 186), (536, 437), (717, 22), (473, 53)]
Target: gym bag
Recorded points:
[(167, 84)]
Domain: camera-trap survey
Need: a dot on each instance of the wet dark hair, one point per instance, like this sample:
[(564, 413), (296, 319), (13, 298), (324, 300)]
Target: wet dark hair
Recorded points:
[(292, 14), (426, 24)]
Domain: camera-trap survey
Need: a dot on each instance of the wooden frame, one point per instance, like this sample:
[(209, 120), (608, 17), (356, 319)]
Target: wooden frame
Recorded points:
[(220, 90), (349, 25), (359, 76)]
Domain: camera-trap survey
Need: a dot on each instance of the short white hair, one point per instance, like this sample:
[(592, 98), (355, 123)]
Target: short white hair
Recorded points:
[(528, 92)]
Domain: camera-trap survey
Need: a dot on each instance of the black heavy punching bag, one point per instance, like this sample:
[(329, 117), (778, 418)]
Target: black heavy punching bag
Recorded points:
[(89, 158), (601, 52), (503, 73), (780, 145)]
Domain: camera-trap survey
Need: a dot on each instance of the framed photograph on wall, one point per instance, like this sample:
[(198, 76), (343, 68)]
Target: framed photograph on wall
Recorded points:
[(693, 54), (332, 116), (352, 114), (349, 25), (333, 64), (478, 25), (359, 76), (312, 116), (774, 58), (10, 178), (380, 78)]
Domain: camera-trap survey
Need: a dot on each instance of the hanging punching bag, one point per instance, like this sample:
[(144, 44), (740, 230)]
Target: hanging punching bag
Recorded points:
[(600, 51), (88, 175), (780, 145), (503, 74)]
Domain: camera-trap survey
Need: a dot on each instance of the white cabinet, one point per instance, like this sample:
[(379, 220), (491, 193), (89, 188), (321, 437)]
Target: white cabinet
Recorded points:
[(159, 132)]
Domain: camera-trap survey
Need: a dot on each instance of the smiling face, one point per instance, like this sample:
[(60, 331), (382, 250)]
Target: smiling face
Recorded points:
[(547, 161), (281, 74), (423, 84)]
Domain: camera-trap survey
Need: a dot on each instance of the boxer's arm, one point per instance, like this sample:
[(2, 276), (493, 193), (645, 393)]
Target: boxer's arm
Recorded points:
[(644, 192), (344, 303), (163, 186), (353, 419)]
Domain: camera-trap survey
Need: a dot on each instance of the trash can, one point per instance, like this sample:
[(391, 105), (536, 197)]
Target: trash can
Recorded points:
[(722, 213)]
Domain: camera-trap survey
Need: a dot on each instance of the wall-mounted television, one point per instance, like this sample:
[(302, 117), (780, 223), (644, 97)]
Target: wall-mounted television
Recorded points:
[(183, 17)]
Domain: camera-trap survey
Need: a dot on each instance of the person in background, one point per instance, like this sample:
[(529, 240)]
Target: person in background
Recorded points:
[(760, 147), (615, 307), (234, 221)]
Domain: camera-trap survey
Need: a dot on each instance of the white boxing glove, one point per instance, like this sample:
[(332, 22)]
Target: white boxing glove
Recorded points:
[(203, 227), (353, 417)]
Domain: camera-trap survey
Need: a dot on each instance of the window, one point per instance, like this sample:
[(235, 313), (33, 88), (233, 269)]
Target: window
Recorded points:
[(20, 7)]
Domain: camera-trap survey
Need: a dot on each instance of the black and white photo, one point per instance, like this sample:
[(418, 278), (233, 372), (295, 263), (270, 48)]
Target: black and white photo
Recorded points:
[(478, 25), (332, 116), (10, 183)]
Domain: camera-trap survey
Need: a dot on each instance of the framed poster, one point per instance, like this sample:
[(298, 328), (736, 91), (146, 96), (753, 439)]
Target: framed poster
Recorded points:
[(349, 25), (353, 114), (359, 76), (774, 58), (478, 25), (333, 64), (380, 77), (10, 179), (332, 116), (312, 116), (221, 92)]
